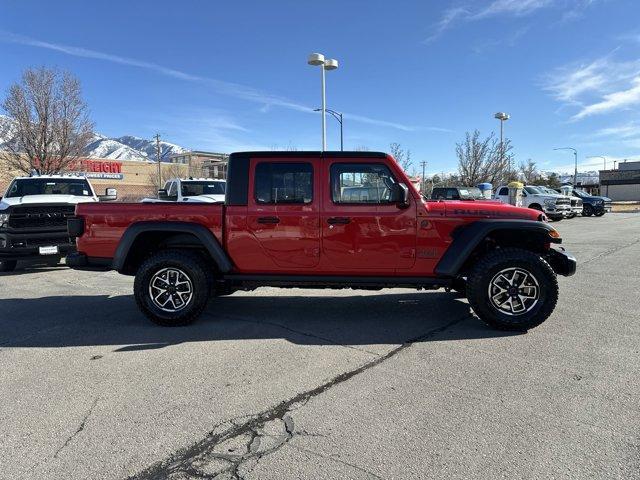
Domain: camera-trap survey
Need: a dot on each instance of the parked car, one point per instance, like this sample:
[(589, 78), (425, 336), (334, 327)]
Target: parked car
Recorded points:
[(555, 206), (457, 193), (592, 204), (33, 216), (576, 203), (207, 190), (290, 220)]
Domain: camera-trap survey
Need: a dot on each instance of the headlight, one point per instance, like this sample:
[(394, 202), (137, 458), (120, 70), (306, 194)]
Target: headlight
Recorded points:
[(4, 218), (550, 202)]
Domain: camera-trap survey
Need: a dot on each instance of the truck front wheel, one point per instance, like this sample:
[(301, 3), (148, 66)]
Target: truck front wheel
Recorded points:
[(172, 288), (512, 289)]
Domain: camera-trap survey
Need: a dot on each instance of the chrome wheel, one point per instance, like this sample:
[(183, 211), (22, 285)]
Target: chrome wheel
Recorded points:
[(514, 291), (171, 289)]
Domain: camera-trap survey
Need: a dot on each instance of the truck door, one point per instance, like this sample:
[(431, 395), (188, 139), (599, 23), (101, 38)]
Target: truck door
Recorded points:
[(363, 227), (282, 215)]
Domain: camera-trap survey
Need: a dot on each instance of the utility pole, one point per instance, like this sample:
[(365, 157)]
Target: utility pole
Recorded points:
[(157, 137), (423, 164)]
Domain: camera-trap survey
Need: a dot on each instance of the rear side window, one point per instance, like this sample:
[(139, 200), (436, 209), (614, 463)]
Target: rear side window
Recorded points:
[(363, 183), (278, 182)]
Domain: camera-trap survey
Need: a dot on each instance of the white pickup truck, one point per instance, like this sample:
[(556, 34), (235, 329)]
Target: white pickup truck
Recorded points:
[(33, 216), (203, 190), (556, 207)]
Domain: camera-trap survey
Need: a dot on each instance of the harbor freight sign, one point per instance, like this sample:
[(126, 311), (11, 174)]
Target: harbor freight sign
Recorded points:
[(100, 169)]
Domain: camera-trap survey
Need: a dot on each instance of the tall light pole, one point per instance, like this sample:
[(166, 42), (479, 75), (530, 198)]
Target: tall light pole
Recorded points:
[(423, 164), (318, 60), (575, 156), (503, 117), (338, 117), (603, 158)]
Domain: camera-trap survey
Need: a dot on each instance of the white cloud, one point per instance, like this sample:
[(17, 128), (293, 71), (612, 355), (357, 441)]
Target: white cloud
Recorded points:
[(626, 130), (601, 86), (496, 8), (235, 90), (622, 99)]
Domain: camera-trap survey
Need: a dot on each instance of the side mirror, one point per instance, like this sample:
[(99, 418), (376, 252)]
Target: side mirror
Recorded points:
[(162, 194), (110, 194), (403, 200)]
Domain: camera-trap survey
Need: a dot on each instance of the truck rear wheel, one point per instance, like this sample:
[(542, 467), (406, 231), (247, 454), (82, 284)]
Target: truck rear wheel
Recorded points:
[(512, 289), (8, 265), (172, 287)]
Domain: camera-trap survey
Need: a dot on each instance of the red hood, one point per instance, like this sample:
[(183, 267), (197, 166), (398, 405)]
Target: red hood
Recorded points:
[(487, 209)]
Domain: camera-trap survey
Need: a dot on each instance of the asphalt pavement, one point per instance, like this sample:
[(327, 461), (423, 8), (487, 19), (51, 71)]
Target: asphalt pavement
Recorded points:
[(290, 384)]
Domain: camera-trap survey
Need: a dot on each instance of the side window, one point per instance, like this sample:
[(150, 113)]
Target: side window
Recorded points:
[(452, 194), (504, 191), (172, 191), (277, 182), (363, 183), (166, 186)]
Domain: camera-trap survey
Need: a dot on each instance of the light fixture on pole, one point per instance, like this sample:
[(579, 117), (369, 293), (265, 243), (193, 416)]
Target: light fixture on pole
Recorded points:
[(603, 158), (503, 117), (338, 117), (575, 157), (318, 60)]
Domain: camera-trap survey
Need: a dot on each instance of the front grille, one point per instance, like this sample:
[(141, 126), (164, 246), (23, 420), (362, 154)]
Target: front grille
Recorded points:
[(563, 201), (24, 217)]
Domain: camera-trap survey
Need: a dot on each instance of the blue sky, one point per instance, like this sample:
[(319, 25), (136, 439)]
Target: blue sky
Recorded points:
[(228, 76)]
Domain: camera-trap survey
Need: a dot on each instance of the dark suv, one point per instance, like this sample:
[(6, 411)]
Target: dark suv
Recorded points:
[(457, 193), (591, 204)]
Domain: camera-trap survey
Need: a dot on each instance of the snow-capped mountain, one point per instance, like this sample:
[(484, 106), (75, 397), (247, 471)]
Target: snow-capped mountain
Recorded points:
[(126, 147)]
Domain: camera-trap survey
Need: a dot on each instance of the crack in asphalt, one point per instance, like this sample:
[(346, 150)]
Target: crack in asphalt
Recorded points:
[(194, 460), (293, 330), (79, 429), (611, 251)]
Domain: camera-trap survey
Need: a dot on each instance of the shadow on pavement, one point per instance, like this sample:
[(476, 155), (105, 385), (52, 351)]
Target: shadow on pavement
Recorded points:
[(349, 320)]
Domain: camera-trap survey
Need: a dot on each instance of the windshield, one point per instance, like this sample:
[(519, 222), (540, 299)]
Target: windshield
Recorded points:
[(50, 186), (533, 190), (581, 193), (192, 189), (471, 193)]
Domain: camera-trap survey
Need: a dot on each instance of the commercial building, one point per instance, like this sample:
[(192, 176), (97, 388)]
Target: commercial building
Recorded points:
[(133, 179), (622, 184), (202, 164)]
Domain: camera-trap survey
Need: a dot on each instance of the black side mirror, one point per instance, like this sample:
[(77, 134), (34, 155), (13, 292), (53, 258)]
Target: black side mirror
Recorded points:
[(110, 195), (162, 194), (403, 197)]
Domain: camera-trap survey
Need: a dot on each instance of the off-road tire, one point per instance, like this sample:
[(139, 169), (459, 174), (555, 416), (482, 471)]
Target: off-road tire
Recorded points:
[(600, 213), (587, 211), (495, 261), (192, 265), (8, 265)]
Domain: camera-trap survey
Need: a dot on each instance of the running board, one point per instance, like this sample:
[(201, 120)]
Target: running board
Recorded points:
[(332, 281)]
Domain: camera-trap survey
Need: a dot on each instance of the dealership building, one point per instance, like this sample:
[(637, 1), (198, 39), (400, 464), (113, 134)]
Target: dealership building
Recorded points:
[(622, 184)]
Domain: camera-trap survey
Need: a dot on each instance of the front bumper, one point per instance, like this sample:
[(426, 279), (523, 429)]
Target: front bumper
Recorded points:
[(562, 262), (23, 246), (557, 211)]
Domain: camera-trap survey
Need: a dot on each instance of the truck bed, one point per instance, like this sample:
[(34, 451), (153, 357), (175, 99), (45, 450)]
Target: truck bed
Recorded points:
[(105, 223)]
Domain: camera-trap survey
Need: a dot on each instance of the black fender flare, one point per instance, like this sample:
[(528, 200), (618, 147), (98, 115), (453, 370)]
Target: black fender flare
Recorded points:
[(204, 235), (468, 237)]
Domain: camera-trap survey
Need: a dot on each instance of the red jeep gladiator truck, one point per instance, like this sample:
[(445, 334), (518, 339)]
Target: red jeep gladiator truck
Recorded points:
[(325, 220)]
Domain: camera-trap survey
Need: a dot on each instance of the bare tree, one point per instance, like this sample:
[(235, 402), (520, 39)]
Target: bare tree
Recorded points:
[(529, 172), (483, 160), (403, 157), (51, 120)]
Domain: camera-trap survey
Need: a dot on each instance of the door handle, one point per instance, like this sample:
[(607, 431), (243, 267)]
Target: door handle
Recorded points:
[(268, 220), (338, 220)]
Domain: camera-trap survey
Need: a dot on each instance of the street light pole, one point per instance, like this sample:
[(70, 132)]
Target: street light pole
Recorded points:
[(318, 60), (575, 157), (503, 117), (603, 158), (338, 117), (423, 164)]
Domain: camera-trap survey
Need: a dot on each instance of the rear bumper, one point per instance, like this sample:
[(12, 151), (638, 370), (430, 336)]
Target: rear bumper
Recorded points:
[(562, 262), (79, 261)]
